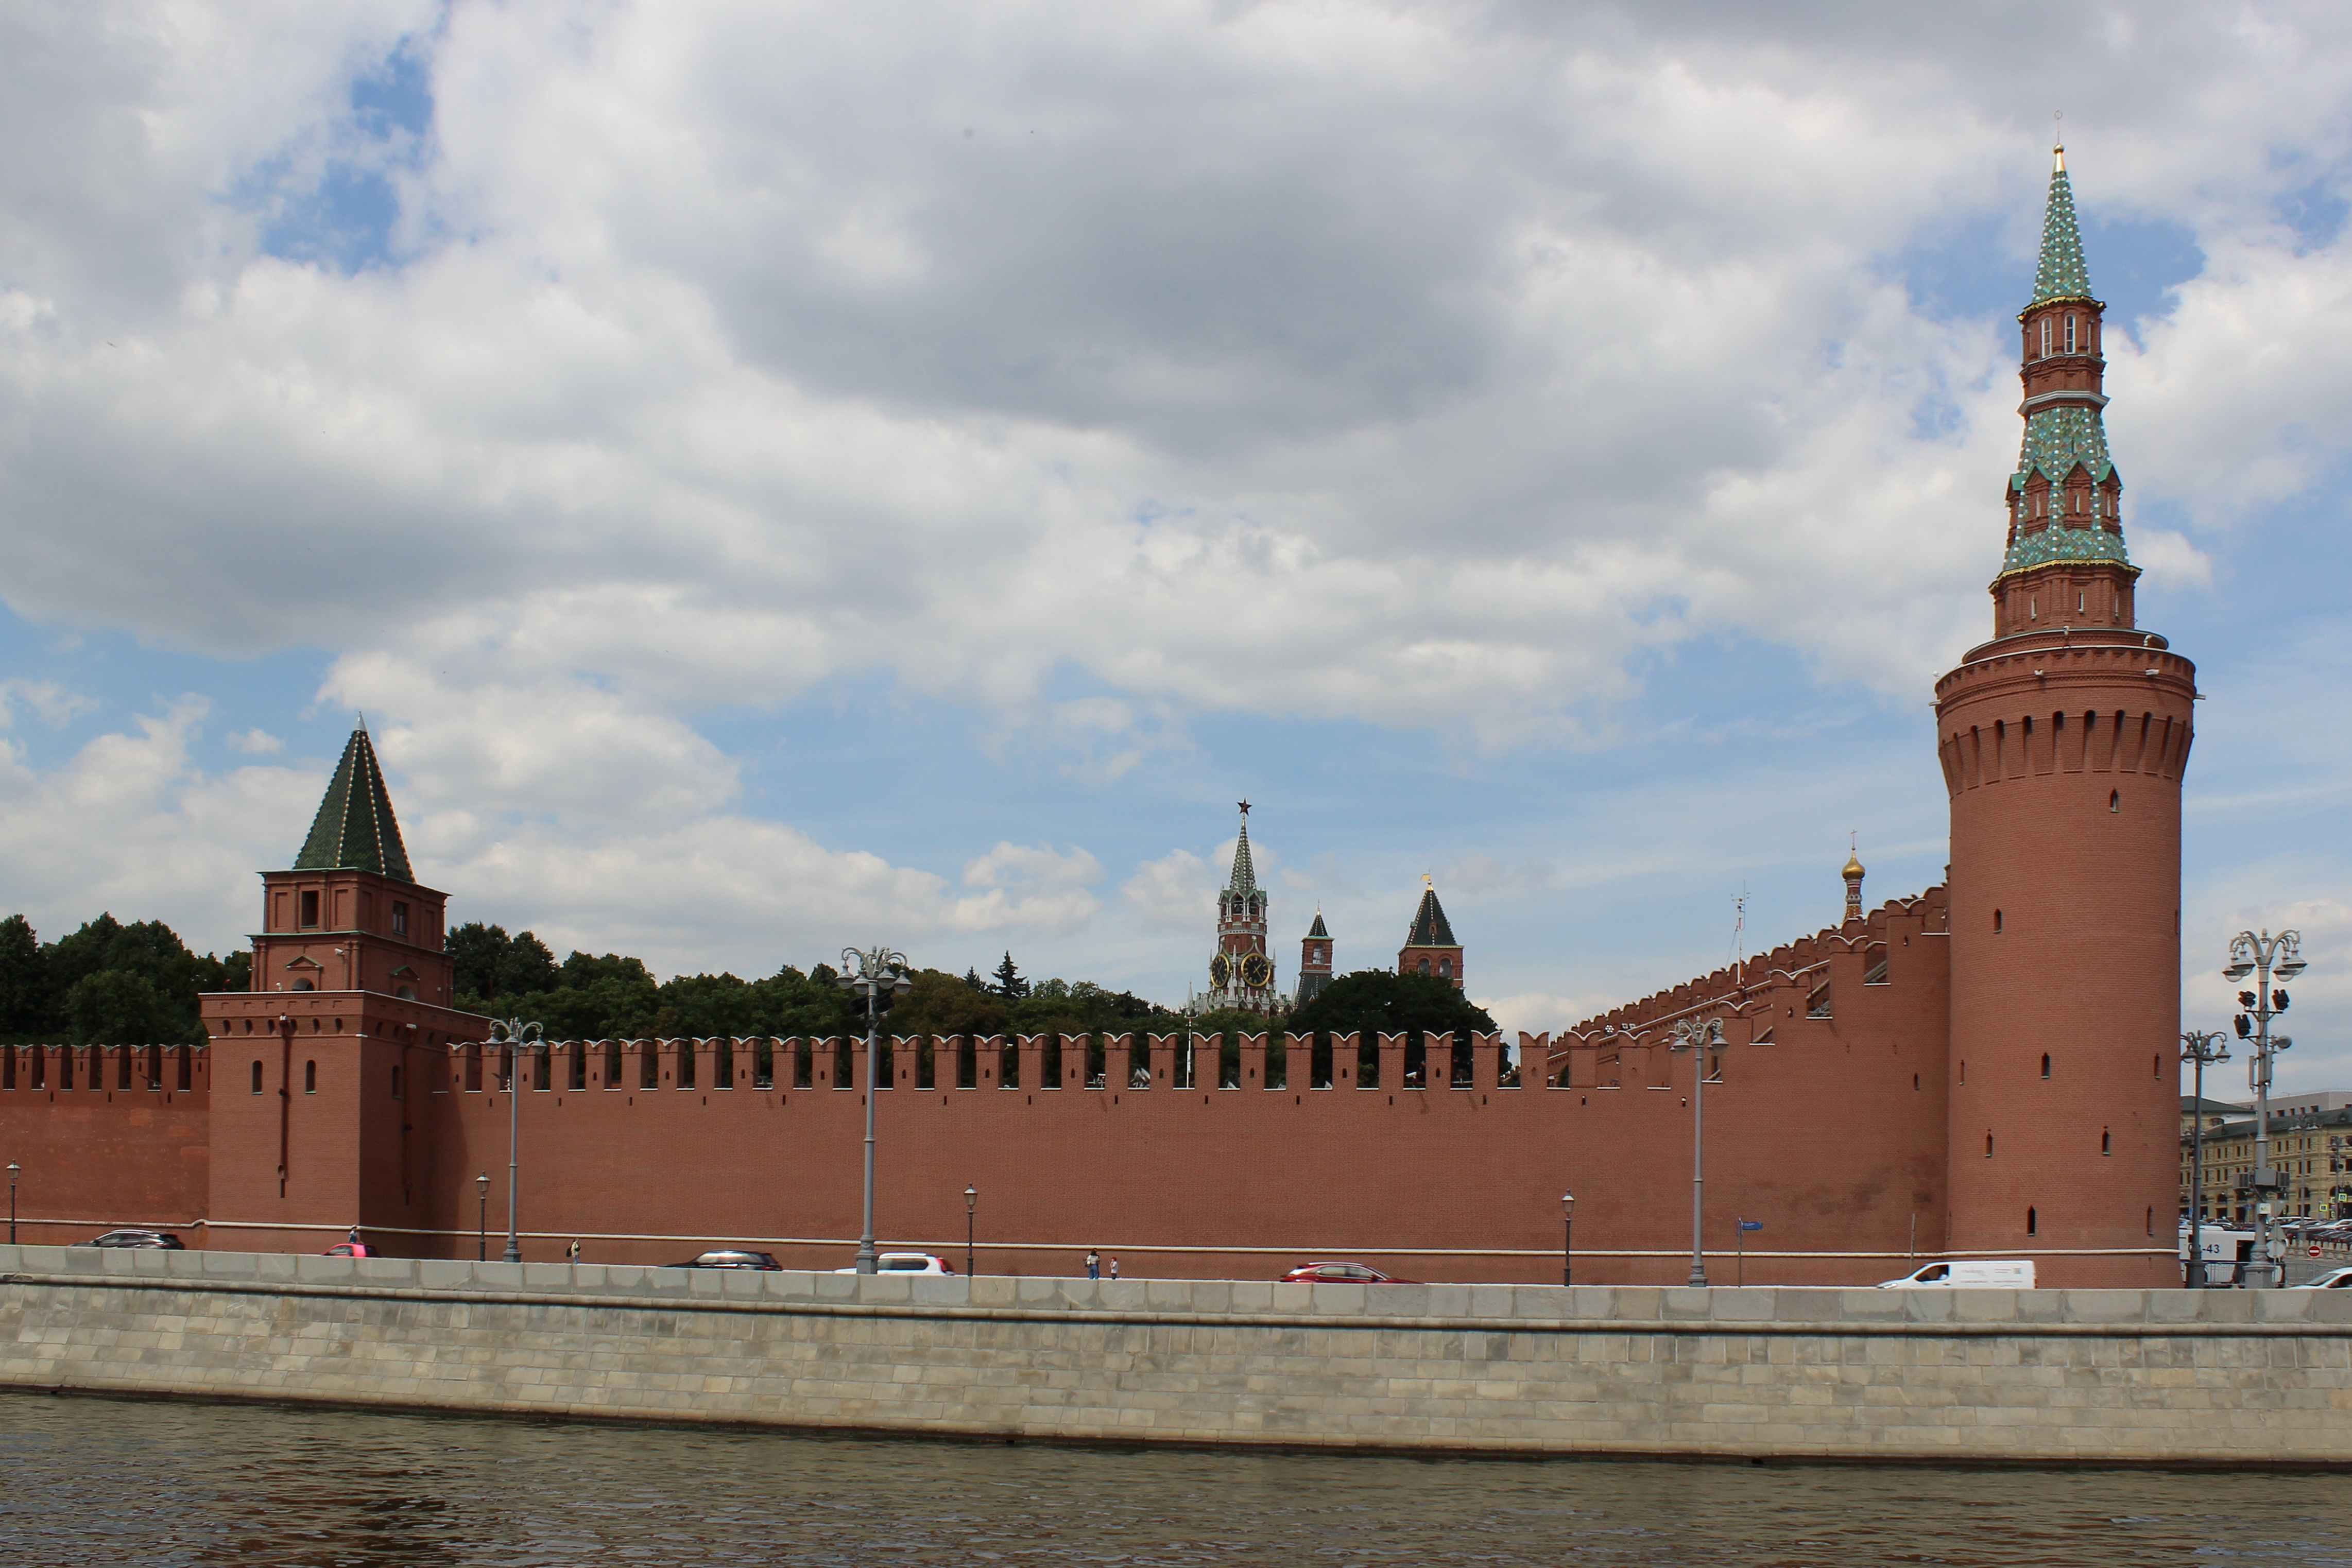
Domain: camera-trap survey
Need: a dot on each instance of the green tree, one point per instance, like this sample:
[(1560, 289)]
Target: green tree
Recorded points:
[(1009, 983), (24, 979), (1374, 1001), (942, 1004), (115, 1007), (474, 950)]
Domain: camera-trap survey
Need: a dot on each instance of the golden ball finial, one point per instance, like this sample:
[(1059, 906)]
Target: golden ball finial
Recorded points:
[(1852, 872)]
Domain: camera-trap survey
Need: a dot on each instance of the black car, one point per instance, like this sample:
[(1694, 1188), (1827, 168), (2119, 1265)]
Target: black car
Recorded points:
[(136, 1239), (732, 1258)]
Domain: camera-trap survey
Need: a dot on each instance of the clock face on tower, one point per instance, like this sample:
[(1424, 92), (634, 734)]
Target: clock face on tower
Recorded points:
[(1221, 969), (1257, 971)]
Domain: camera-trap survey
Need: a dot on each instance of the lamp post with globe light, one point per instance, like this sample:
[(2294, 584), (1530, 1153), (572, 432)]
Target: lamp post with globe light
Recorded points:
[(2204, 1047), (514, 1034), (970, 1211), (482, 1218), (2264, 957), (877, 979), (1699, 1036), (1568, 1238)]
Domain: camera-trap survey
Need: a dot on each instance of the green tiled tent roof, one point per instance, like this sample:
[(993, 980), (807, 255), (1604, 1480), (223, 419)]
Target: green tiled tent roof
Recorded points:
[(2061, 274), (1316, 929), (1430, 928), (355, 830)]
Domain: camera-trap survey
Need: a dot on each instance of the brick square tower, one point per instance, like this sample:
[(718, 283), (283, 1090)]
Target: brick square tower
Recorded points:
[(1430, 948), (349, 1018), (1314, 961), (2064, 741)]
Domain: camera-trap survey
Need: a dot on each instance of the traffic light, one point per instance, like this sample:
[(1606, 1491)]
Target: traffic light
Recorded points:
[(2246, 1027), (2278, 1001), (2247, 999)]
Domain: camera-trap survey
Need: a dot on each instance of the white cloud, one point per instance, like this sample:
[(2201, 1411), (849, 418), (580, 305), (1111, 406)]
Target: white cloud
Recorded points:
[(255, 742), (48, 701), (1176, 892)]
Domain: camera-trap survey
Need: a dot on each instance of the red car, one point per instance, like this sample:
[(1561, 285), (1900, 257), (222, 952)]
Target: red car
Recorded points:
[(1343, 1274), (350, 1249)]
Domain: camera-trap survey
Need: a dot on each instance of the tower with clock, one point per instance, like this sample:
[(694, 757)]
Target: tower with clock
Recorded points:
[(1241, 973)]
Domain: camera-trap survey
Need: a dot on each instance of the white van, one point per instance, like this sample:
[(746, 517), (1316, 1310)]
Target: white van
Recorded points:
[(1970, 1273)]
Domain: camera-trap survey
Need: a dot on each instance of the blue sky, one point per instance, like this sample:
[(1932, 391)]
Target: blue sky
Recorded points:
[(776, 481)]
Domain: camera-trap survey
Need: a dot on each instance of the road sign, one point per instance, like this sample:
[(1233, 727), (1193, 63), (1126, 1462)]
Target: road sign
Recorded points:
[(2315, 1250), (1759, 1225)]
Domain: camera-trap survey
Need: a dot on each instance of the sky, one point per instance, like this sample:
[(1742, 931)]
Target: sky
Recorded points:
[(777, 477)]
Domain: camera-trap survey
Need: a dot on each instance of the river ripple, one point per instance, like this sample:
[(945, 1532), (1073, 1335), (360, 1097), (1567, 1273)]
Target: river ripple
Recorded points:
[(104, 1481)]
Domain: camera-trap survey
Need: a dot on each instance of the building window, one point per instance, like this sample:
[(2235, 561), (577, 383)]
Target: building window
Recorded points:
[(399, 919), (256, 1078), (395, 1083), (1445, 967), (2116, 801), (1996, 921), (2107, 1142), (2070, 334), (2033, 1223), (2045, 1064), (304, 985), (309, 1078), (2045, 337), (310, 910)]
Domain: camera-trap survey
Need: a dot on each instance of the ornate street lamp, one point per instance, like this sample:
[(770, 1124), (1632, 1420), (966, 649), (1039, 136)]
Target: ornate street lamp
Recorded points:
[(2205, 1048), (1567, 1238), (2262, 956), (482, 1234), (1699, 1036), (514, 1034), (878, 978), (971, 1206)]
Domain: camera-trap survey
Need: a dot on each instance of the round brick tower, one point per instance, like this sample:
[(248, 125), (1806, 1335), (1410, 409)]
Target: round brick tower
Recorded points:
[(2063, 740)]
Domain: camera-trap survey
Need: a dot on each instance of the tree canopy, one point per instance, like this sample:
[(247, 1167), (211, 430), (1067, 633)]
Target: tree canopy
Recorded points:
[(616, 997), (108, 983), (1374, 1001)]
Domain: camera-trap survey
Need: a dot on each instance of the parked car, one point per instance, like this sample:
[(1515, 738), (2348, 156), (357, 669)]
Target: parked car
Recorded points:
[(906, 1263), (2334, 1279), (732, 1258), (136, 1238), (351, 1250), (1344, 1274)]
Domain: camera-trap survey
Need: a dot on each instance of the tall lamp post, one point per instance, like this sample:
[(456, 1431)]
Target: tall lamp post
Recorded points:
[(1699, 1036), (2204, 1047), (12, 1203), (2262, 956), (878, 977), (1567, 1238), (970, 1209), (482, 1220), (514, 1034)]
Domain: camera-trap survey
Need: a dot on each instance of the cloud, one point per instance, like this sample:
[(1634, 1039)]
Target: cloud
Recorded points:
[(49, 702), (255, 742), (1176, 892)]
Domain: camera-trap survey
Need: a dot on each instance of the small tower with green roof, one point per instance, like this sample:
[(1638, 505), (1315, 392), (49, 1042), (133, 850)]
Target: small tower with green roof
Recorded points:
[(321, 1069)]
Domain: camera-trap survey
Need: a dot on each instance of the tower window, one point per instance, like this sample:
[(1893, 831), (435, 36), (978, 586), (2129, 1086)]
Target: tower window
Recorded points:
[(256, 1078), (2106, 1141), (2045, 337), (310, 910), (1988, 1145), (309, 1078), (399, 919), (2116, 801), (1445, 967), (395, 1083), (2045, 1064), (1996, 921), (2070, 334), (2033, 1223)]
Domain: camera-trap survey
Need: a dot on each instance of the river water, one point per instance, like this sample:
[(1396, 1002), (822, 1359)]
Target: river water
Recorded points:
[(87, 1481)]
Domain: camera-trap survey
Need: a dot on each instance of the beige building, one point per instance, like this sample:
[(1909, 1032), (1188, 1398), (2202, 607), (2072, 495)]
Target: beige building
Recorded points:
[(2311, 1143)]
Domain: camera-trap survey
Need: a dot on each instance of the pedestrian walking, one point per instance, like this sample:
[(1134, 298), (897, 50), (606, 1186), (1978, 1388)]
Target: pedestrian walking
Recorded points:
[(573, 1256), (1093, 1264), (1114, 1268)]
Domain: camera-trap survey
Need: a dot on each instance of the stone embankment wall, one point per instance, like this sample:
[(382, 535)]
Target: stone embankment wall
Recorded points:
[(2220, 1377)]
